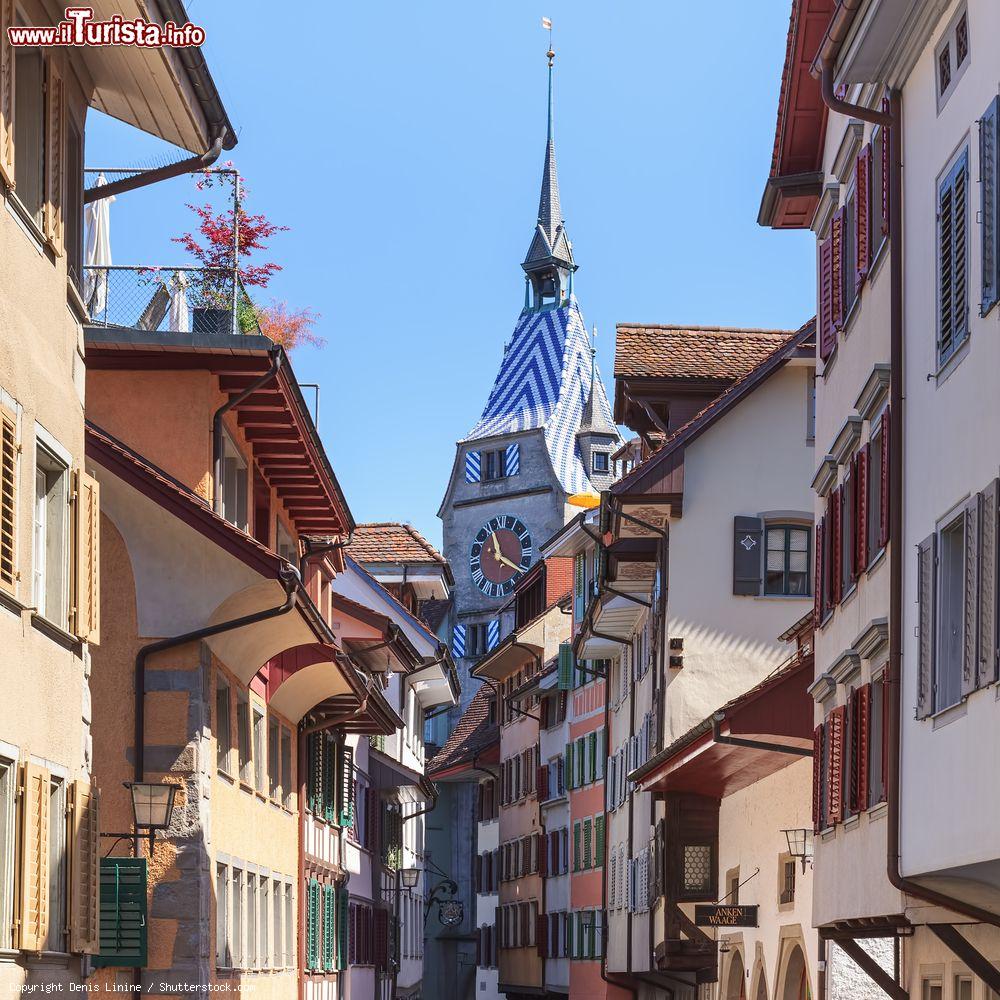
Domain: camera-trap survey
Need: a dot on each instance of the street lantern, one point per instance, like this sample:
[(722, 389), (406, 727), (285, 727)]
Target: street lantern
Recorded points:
[(152, 805), (800, 845), (409, 877)]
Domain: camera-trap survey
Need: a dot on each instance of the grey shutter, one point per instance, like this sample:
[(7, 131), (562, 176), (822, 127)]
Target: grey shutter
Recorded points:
[(953, 241), (926, 586), (987, 673), (970, 606), (748, 534), (988, 157)]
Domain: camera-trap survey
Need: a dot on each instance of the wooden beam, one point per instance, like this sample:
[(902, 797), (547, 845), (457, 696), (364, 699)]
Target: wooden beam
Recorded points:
[(272, 432), (279, 448), (252, 418), (969, 954), (264, 400), (873, 970)]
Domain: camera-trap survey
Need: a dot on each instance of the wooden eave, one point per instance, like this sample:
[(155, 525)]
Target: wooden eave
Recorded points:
[(280, 433)]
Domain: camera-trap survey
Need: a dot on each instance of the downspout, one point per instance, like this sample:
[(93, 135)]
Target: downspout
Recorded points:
[(311, 550), (187, 166), (276, 355), (829, 51)]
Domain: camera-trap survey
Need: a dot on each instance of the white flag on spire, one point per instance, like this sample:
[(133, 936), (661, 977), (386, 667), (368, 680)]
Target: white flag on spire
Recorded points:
[(547, 23)]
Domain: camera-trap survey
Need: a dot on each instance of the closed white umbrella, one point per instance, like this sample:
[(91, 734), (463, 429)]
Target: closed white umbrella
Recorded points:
[(98, 251), (180, 321)]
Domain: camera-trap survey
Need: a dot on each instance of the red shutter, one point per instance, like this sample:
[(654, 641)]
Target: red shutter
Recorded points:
[(543, 713), (480, 795), (542, 935), (837, 264), (827, 331), (885, 736), (861, 511), (818, 778), (836, 547), (885, 171), (862, 174), (862, 724), (541, 845), (883, 522), (478, 873), (835, 771), (543, 782), (818, 576)]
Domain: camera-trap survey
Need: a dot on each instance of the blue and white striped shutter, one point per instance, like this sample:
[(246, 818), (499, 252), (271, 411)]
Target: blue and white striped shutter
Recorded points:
[(473, 467), (492, 634), (458, 642), (512, 459)]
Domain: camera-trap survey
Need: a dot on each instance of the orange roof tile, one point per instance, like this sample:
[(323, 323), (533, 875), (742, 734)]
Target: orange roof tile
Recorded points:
[(709, 352), (391, 542), (473, 734)]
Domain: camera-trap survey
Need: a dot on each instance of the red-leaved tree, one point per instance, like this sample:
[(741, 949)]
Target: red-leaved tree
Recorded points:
[(289, 327)]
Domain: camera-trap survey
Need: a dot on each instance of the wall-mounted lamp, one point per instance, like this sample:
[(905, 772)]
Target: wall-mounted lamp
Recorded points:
[(152, 808), (800, 845)]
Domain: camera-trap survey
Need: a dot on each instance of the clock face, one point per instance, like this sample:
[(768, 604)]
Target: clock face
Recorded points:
[(500, 553)]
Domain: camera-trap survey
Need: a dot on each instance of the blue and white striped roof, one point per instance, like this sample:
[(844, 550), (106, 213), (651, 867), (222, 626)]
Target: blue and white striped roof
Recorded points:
[(543, 382)]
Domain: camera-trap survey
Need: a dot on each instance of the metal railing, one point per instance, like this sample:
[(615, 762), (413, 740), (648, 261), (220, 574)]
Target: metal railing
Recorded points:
[(169, 299)]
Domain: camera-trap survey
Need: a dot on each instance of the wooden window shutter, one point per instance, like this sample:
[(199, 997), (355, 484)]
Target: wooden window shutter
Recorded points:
[(862, 726), (861, 510), (566, 666), (473, 467), (926, 600), (970, 609), (827, 330), (86, 617), (952, 233), (886, 140), (836, 546), (55, 131), (835, 773), (9, 451), (883, 514), (346, 791), (989, 154), (987, 593), (512, 459), (33, 876), (862, 214), (837, 264), (818, 776), (85, 871), (598, 840), (343, 925), (818, 576), (123, 922), (748, 533), (7, 13), (542, 935)]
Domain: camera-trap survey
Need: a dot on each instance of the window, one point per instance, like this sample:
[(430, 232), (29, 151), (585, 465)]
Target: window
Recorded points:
[(963, 988), (236, 911), (56, 940), (847, 533), (876, 742), (265, 925), (284, 544), (787, 560), (223, 737), (952, 258), (29, 131), (697, 871), (277, 905), (476, 639), (788, 882), (849, 259), (874, 487), (243, 736), (51, 537), (8, 797), (253, 957), (932, 989), (223, 957), (286, 766), (494, 465), (601, 460), (951, 56), (273, 753), (951, 604), (289, 926), (234, 484)]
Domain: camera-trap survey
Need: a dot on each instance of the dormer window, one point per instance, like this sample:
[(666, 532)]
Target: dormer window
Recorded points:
[(601, 461)]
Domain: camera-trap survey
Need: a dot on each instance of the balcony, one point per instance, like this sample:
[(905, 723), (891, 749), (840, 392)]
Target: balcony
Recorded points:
[(175, 299)]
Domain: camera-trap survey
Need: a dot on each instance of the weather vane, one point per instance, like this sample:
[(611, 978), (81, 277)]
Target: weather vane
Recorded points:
[(547, 25)]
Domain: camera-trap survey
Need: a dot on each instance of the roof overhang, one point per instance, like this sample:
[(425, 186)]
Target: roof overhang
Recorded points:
[(432, 685), (408, 785), (517, 649), (777, 713), (275, 419), (429, 582), (168, 92)]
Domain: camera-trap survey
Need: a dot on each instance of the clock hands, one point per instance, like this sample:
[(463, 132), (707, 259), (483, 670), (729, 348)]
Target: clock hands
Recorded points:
[(498, 554)]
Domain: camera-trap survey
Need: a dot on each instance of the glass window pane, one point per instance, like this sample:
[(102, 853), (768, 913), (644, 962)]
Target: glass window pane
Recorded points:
[(775, 538), (798, 562), (798, 540)]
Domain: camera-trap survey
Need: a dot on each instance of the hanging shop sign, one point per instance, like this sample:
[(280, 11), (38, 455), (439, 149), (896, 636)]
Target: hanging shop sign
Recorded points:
[(725, 916)]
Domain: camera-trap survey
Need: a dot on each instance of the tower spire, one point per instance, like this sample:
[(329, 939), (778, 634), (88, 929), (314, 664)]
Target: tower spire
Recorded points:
[(549, 261)]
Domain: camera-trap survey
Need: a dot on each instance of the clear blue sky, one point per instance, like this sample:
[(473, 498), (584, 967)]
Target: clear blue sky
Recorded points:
[(402, 144)]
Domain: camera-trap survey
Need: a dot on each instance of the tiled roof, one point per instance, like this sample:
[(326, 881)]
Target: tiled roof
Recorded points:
[(692, 352), (432, 612), (780, 351), (473, 734), (391, 542)]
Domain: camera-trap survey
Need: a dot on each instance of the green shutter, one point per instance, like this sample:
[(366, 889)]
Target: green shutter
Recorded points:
[(315, 791), (592, 936), (565, 666), (329, 927), (568, 766), (343, 926), (592, 756), (599, 838), (581, 760), (588, 836), (123, 913), (329, 808), (570, 920), (312, 926), (576, 847), (346, 792)]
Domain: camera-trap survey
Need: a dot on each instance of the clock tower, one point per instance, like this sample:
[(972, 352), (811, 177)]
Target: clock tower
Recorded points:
[(545, 433)]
